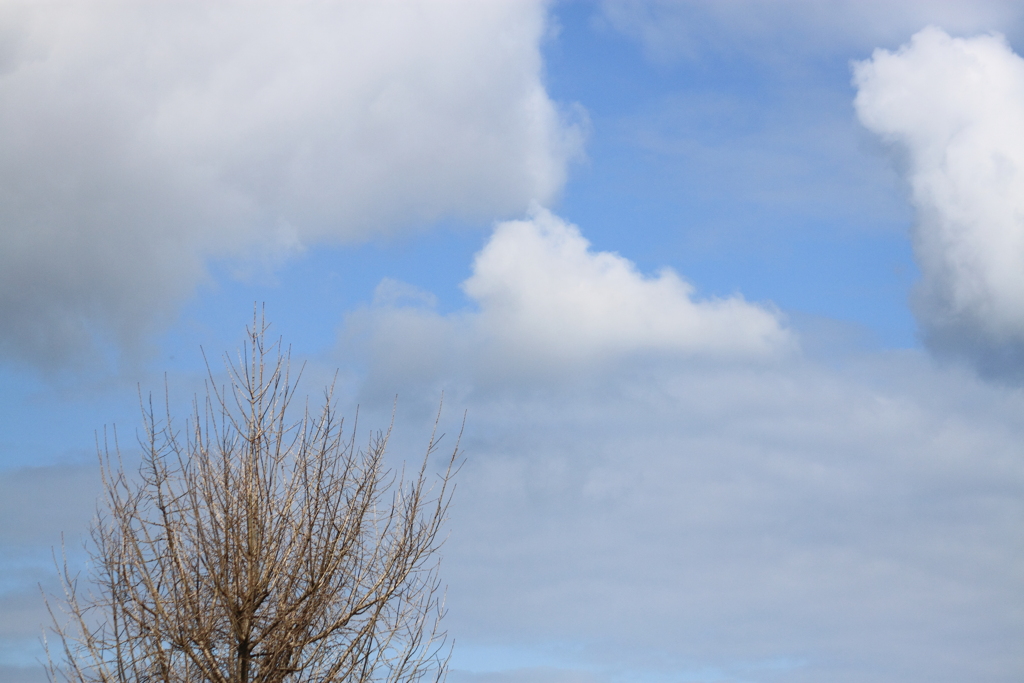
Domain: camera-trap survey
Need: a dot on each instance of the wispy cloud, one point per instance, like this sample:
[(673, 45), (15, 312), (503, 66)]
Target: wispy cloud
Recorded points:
[(781, 30), (772, 521)]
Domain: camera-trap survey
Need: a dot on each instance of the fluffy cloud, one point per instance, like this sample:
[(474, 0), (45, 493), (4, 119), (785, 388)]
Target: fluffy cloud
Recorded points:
[(954, 109), (538, 284), (547, 303), (141, 139)]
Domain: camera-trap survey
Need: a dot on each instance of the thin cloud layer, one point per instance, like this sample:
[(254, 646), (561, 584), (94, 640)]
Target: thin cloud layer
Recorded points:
[(698, 522), (141, 139), (737, 524), (954, 108), (681, 29), (683, 520), (547, 303)]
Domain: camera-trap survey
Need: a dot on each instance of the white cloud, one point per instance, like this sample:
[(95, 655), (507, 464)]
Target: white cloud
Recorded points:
[(954, 107), (793, 524), (540, 286), (657, 516), (142, 138), (677, 519), (685, 520), (547, 304), (693, 522)]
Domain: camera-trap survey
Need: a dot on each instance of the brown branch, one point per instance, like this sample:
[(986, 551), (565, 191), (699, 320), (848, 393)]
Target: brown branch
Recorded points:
[(253, 549)]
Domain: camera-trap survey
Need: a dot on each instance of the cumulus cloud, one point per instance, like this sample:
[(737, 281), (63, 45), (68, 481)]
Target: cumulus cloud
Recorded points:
[(539, 284), (141, 139), (954, 108), (546, 301)]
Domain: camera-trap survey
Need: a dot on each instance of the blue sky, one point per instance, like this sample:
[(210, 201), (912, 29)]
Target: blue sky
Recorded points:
[(732, 294)]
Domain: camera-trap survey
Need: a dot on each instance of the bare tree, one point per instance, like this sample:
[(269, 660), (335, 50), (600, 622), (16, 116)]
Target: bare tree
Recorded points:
[(258, 550)]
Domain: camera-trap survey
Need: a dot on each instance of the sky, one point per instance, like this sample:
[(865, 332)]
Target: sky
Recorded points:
[(730, 294)]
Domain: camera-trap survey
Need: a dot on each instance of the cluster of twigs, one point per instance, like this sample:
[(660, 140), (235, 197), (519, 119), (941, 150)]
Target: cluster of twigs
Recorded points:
[(257, 550)]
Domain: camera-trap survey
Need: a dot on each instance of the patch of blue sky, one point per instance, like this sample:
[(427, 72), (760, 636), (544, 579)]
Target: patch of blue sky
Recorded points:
[(742, 175), (311, 293), (733, 157), (480, 658), (573, 661), (742, 178), (57, 422), (22, 652)]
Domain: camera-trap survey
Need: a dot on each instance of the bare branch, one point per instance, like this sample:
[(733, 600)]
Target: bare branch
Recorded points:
[(255, 549)]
